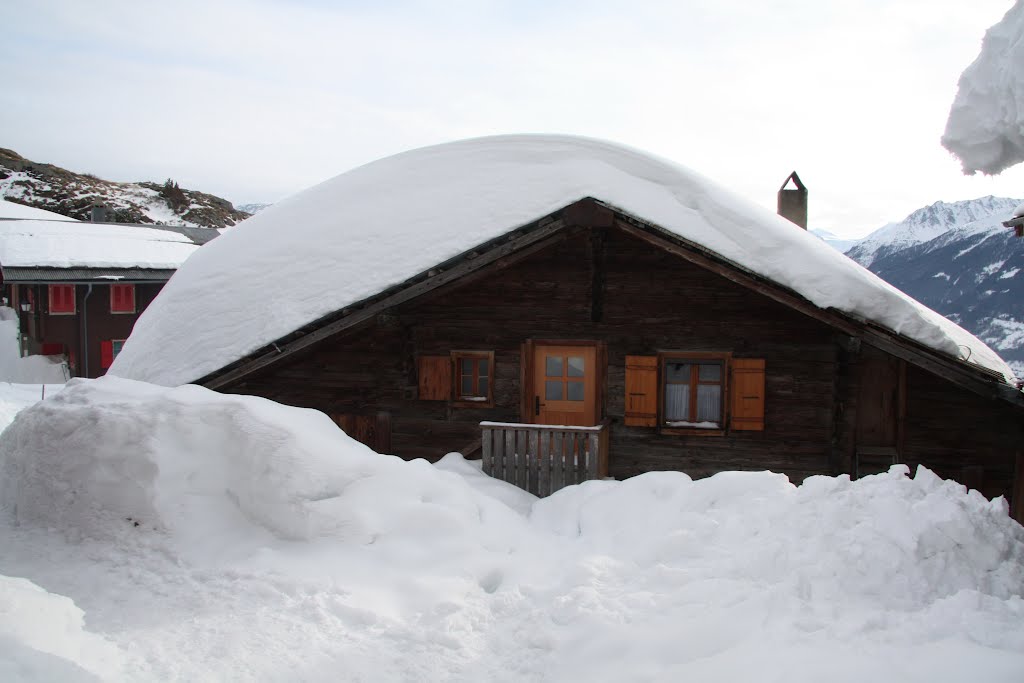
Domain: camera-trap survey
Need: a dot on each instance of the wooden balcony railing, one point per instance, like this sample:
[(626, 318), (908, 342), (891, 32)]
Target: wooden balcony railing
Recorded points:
[(542, 459)]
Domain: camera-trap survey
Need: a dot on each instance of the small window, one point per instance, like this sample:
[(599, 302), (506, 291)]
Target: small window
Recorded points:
[(62, 299), (694, 393), (473, 378), (122, 298), (108, 352)]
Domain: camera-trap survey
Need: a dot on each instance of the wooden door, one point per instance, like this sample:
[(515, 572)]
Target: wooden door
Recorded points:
[(565, 385)]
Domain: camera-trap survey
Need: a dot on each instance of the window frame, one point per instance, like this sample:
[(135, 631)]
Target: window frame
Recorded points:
[(50, 289), (131, 288), (477, 399), (724, 359)]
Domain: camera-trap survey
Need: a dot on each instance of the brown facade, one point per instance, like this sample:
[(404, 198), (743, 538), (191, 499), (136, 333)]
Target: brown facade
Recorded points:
[(80, 336), (832, 401)]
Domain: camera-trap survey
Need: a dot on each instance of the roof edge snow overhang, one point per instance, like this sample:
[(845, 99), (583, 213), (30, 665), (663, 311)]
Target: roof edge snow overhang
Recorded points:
[(589, 212), (30, 275)]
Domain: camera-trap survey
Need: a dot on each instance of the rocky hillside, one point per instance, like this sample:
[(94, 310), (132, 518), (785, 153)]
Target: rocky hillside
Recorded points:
[(959, 260), (72, 194)]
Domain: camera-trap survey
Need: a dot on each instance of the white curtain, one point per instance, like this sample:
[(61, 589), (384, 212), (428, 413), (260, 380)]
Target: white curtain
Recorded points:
[(709, 403), (677, 402)]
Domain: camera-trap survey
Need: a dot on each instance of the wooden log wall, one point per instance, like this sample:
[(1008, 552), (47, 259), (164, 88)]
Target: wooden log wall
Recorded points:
[(611, 287)]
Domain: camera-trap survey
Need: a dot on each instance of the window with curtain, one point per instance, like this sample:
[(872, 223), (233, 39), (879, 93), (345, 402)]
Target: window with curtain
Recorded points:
[(693, 392)]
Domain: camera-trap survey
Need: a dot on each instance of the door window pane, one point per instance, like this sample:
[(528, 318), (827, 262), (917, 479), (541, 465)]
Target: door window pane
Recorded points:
[(553, 366), (553, 390), (574, 391), (576, 366)]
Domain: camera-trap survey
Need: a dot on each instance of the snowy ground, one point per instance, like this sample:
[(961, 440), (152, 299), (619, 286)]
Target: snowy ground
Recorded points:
[(209, 537)]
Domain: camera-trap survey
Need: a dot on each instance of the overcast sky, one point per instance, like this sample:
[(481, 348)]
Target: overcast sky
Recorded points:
[(257, 100)]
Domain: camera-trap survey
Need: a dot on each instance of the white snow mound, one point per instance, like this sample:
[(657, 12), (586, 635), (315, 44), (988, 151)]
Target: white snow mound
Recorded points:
[(228, 537), (42, 638), (985, 129), (355, 235)]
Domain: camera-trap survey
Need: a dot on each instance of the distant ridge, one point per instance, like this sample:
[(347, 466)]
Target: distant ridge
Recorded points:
[(72, 194)]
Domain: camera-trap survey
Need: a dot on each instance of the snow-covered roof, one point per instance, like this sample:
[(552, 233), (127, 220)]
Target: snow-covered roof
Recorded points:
[(15, 210), (986, 127), (71, 244), (355, 235)]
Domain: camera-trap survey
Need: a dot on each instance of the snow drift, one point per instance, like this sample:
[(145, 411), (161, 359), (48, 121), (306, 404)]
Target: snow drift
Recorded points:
[(226, 537), (354, 235), (985, 129)]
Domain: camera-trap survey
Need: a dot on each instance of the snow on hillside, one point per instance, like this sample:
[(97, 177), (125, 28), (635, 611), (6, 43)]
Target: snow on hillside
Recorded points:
[(969, 273), (73, 194), (252, 208), (985, 129), (15, 210), (407, 213), (840, 244), (926, 224), (180, 534)]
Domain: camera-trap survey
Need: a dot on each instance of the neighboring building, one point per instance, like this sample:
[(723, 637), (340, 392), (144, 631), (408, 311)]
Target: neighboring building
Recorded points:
[(534, 283), (79, 287)]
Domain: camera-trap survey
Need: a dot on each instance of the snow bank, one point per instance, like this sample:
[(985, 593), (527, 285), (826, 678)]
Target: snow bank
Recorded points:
[(219, 537), (985, 129), (354, 235), (105, 455), (29, 369), (42, 638)]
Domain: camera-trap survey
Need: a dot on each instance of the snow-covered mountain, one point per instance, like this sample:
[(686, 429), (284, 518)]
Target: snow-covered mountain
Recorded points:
[(838, 243), (251, 209), (72, 194), (926, 224), (960, 260)]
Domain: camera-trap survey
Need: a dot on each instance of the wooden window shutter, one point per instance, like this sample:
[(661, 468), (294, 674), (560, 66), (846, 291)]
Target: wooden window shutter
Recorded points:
[(106, 354), (435, 377), (641, 391), (747, 394)]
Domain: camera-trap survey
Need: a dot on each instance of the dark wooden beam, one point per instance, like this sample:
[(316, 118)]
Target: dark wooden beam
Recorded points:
[(503, 255)]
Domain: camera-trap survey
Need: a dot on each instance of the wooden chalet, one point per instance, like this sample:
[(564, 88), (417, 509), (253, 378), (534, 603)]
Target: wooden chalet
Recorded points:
[(592, 342), (83, 304)]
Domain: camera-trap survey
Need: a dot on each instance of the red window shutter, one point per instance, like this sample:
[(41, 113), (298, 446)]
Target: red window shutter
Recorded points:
[(122, 298), (106, 354), (62, 298), (52, 349), (641, 391), (748, 394), (435, 377)]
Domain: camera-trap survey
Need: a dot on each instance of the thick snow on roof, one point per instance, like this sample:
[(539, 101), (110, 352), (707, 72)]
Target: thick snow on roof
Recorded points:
[(358, 233), (15, 210), (69, 244), (985, 129)]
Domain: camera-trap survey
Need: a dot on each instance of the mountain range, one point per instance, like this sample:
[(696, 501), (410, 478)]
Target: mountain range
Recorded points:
[(958, 259)]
